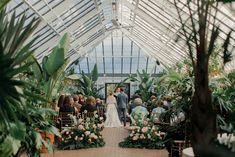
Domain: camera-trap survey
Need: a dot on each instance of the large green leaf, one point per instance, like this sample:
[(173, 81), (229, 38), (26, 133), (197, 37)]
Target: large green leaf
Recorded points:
[(9, 81), (55, 60), (18, 131), (57, 57), (37, 70), (38, 139), (3, 3), (55, 78), (227, 55), (65, 43), (73, 77), (9, 146), (94, 73)]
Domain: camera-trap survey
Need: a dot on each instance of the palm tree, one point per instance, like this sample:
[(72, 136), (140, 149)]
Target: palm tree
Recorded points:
[(13, 54), (87, 83), (203, 116), (145, 82)]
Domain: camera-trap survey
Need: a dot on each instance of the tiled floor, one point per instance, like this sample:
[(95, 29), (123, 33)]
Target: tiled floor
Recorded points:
[(112, 137)]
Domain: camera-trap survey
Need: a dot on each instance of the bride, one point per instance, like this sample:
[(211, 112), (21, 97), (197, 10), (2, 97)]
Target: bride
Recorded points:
[(112, 119)]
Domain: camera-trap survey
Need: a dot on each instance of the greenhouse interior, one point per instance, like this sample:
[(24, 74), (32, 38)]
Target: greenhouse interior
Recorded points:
[(117, 78)]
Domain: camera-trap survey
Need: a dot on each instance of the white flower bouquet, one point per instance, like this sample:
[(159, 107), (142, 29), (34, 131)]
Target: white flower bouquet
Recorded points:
[(85, 133)]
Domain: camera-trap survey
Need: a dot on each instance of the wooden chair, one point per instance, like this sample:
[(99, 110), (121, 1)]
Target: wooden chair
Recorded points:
[(65, 120), (101, 111), (87, 115), (177, 146)]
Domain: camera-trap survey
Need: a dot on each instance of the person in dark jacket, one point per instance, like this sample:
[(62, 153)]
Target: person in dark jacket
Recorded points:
[(122, 101), (90, 105)]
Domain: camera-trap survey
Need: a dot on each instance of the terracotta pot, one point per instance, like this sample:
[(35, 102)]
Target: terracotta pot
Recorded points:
[(49, 138)]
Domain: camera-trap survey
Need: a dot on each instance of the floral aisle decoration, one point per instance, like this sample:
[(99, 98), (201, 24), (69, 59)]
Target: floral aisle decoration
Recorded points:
[(85, 133), (143, 134), (227, 141)]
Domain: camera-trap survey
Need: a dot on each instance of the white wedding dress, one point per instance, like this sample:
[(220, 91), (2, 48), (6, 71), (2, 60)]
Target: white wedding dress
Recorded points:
[(112, 119)]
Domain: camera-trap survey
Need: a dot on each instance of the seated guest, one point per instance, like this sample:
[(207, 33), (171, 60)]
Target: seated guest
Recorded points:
[(81, 100), (136, 102), (150, 103), (156, 112), (76, 104), (167, 103), (67, 105), (177, 117), (139, 113), (90, 105), (98, 102), (61, 100)]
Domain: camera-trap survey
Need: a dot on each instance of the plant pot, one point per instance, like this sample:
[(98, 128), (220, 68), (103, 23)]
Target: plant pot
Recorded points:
[(48, 137)]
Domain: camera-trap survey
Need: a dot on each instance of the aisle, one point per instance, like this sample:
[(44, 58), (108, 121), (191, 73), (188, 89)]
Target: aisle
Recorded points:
[(112, 137)]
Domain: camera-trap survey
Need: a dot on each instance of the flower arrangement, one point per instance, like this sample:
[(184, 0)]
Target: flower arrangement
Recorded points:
[(143, 134), (85, 133), (227, 140)]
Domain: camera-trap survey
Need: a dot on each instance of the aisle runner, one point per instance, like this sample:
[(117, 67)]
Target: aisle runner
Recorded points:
[(112, 137)]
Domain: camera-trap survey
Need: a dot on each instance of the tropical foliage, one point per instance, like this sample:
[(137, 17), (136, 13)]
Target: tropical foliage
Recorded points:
[(20, 118), (85, 133), (201, 45), (12, 56), (48, 76), (3, 3), (177, 83), (86, 83), (145, 83)]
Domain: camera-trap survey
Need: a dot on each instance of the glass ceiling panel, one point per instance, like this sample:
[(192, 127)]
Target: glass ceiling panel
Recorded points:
[(110, 60), (152, 25), (117, 65), (117, 46), (126, 47)]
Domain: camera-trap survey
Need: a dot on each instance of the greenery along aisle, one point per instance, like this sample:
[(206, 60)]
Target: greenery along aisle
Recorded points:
[(21, 115), (143, 135), (84, 133)]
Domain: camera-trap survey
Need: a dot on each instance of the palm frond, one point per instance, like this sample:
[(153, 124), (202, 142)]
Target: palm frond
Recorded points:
[(227, 56)]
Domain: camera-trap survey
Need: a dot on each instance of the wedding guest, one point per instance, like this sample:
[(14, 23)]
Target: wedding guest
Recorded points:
[(136, 102), (151, 103), (67, 105), (167, 102), (76, 103), (90, 105), (139, 113), (98, 102), (156, 112), (81, 100), (61, 100)]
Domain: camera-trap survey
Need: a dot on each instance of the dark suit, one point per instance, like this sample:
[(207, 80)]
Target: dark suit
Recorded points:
[(122, 100)]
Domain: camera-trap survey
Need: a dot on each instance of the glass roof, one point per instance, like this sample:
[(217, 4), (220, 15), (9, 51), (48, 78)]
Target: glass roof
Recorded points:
[(117, 56), (152, 25)]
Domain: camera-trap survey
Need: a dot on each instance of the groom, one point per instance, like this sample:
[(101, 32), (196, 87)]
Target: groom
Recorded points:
[(122, 100)]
